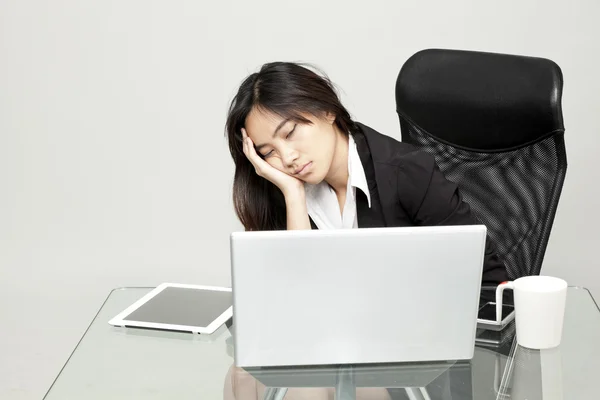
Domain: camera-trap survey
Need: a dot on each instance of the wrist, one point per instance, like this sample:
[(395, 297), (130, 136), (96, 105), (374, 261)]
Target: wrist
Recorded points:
[(294, 192), (295, 199)]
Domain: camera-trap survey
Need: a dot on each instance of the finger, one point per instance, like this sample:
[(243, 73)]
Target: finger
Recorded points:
[(251, 152), (244, 141), (253, 156), (248, 142), (248, 148)]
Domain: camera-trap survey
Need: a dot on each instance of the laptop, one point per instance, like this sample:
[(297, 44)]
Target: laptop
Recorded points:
[(356, 296)]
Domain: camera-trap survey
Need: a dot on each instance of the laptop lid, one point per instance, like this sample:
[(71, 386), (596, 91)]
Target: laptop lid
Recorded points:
[(314, 297)]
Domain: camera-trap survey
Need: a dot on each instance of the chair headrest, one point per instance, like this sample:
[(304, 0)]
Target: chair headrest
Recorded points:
[(481, 101)]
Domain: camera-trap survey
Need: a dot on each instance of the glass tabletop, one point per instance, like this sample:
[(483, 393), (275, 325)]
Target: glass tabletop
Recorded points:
[(129, 363)]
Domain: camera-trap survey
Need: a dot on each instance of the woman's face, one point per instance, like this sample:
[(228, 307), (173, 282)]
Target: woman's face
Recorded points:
[(305, 151)]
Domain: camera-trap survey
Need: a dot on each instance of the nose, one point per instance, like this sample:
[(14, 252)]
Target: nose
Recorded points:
[(289, 157)]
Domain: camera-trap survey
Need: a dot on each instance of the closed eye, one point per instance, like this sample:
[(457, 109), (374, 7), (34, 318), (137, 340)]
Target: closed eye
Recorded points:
[(289, 135), (268, 154), (291, 132)]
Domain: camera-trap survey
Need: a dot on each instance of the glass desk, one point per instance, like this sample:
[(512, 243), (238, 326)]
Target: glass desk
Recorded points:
[(126, 363)]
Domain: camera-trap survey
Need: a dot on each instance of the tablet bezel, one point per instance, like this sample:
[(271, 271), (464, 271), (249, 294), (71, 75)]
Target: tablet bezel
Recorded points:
[(487, 324), (121, 320)]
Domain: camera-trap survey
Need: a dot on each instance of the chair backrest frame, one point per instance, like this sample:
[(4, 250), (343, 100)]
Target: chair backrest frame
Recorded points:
[(493, 122)]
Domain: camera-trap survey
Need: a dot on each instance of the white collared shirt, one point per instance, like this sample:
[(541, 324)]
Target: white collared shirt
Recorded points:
[(322, 202)]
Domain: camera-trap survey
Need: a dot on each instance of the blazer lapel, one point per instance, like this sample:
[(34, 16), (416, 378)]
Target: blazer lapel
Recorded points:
[(382, 181), (383, 177), (368, 217)]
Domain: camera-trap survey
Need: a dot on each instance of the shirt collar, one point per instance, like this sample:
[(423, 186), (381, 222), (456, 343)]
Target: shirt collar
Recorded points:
[(356, 171), (356, 177)]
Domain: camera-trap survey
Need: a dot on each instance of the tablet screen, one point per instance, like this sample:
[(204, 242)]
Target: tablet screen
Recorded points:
[(183, 306)]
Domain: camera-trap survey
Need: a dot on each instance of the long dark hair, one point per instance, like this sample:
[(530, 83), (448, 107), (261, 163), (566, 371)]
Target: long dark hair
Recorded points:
[(288, 90)]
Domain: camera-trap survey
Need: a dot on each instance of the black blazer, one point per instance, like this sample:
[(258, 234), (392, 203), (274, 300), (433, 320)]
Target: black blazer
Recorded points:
[(408, 189)]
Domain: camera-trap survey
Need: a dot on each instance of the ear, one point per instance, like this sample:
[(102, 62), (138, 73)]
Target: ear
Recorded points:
[(330, 117)]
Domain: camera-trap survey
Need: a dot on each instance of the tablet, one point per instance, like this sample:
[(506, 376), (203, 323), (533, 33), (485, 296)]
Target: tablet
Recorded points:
[(178, 307), (486, 318)]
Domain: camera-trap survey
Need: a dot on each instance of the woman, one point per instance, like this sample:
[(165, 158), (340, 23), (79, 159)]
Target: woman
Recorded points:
[(302, 162)]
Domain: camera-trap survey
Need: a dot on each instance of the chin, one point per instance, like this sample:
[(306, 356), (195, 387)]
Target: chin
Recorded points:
[(313, 179)]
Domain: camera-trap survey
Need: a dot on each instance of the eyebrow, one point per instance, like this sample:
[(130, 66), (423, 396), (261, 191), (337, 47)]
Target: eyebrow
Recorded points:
[(281, 124)]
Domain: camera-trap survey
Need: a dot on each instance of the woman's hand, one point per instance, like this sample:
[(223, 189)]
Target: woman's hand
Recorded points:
[(288, 184), (292, 188)]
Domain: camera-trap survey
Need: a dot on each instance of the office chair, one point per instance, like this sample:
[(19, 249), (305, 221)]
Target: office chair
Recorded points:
[(494, 124)]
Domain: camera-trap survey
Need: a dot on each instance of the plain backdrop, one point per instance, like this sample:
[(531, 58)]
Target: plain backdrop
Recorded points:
[(114, 170)]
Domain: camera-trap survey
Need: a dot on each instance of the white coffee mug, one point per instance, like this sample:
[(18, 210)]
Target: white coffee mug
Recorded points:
[(539, 309)]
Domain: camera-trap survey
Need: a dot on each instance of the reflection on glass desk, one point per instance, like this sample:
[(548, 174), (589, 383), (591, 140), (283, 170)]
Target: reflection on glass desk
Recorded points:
[(128, 363)]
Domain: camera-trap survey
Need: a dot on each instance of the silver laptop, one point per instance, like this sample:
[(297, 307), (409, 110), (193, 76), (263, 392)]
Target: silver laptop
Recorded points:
[(315, 297)]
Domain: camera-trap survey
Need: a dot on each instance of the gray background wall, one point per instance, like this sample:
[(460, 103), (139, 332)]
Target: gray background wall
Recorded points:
[(113, 165)]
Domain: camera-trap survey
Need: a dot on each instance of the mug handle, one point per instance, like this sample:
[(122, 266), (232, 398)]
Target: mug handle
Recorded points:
[(499, 295)]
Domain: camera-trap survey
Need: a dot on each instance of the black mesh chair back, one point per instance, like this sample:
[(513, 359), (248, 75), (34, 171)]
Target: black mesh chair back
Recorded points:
[(494, 124)]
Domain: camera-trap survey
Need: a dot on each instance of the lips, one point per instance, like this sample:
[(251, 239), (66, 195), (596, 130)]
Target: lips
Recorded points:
[(302, 169)]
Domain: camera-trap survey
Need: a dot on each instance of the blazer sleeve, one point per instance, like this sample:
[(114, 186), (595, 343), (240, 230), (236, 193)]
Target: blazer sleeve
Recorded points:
[(431, 199)]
